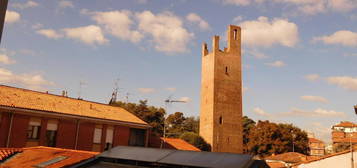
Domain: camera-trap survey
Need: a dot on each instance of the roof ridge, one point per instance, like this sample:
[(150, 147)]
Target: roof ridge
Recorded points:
[(64, 149), (52, 94)]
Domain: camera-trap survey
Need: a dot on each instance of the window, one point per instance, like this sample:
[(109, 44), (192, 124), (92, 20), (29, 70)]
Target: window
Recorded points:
[(52, 161), (226, 70), (235, 34), (220, 120), (34, 128), (97, 138), (51, 133), (137, 137), (109, 138)]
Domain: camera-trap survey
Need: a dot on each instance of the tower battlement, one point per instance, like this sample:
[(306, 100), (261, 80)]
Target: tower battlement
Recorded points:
[(221, 94), (233, 42)]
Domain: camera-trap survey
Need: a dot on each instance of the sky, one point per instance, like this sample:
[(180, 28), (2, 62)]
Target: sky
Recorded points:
[(299, 56)]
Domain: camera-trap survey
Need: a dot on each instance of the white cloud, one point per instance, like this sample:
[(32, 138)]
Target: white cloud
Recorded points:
[(185, 99), (265, 33), (260, 112), (342, 37), (171, 89), (237, 2), (237, 19), (277, 64), (27, 80), (314, 98), (12, 16), (306, 7), (257, 54), (196, 19), (319, 112), (312, 77), (4, 59), (37, 26), (342, 5), (146, 90), (166, 30), (87, 34), (118, 23), (345, 82), (50, 33), (28, 4), (65, 4)]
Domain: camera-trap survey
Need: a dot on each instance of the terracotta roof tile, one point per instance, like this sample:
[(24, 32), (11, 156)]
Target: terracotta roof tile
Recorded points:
[(180, 144), (315, 140), (326, 156), (171, 143), (8, 152), (32, 156), (276, 164), (289, 157), (28, 99), (344, 140), (345, 124)]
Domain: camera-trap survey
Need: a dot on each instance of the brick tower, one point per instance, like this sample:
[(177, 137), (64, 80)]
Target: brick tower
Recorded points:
[(221, 94)]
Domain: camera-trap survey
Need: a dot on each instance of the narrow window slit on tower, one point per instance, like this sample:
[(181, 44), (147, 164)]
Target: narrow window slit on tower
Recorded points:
[(235, 34), (220, 120), (226, 70)]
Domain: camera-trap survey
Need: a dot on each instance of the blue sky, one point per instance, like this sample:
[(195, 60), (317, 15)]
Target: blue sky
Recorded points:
[(299, 56)]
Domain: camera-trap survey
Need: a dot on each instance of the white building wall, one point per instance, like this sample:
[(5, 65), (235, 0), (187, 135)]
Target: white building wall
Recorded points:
[(339, 161)]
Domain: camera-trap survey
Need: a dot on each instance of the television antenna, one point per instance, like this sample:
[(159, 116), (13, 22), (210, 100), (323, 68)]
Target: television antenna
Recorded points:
[(168, 102), (81, 84)]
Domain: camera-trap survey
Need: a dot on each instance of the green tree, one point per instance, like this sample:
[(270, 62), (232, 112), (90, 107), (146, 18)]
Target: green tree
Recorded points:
[(268, 138), (196, 140), (248, 124), (152, 115), (191, 124), (177, 124), (174, 124)]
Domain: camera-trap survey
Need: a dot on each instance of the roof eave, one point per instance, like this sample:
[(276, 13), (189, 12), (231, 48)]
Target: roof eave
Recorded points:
[(57, 114)]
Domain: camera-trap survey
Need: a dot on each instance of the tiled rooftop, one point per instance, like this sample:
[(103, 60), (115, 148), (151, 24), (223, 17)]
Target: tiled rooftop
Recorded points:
[(28, 99), (8, 152), (171, 143), (51, 157), (289, 157), (314, 140), (180, 144), (345, 124)]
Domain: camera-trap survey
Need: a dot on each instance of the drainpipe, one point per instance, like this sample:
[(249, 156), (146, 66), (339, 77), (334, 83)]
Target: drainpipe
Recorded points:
[(77, 134), (10, 129), (147, 137)]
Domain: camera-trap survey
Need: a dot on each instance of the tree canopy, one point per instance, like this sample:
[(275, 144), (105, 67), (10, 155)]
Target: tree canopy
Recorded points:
[(178, 124), (152, 115), (196, 140), (261, 138), (267, 138)]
